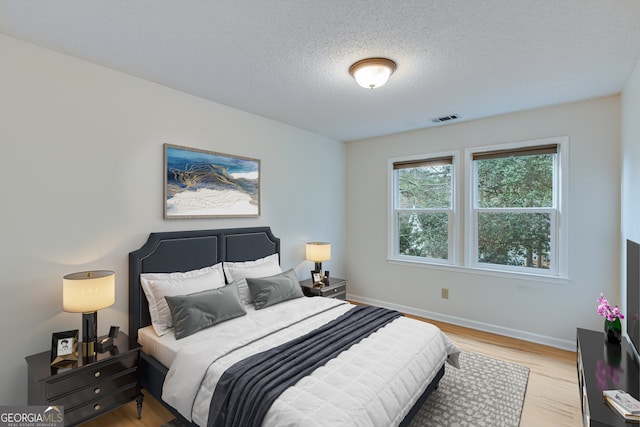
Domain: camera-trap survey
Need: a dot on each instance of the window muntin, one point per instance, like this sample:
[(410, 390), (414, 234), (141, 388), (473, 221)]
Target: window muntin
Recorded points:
[(423, 208), (515, 209)]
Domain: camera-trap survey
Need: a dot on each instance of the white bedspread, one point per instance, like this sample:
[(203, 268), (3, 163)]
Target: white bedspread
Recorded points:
[(374, 383)]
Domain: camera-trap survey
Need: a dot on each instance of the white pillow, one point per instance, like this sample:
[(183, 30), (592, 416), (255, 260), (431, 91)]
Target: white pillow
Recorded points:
[(263, 267), (158, 285)]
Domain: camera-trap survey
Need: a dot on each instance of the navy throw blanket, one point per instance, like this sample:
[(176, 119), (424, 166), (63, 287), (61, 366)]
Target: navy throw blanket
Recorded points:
[(247, 389)]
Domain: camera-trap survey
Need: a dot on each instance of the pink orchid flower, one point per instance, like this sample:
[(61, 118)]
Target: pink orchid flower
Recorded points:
[(604, 309)]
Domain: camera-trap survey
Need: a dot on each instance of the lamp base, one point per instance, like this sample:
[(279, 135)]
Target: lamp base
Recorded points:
[(89, 333), (89, 348)]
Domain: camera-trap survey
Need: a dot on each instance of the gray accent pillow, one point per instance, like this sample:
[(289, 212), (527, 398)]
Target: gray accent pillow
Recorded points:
[(194, 312), (271, 290)]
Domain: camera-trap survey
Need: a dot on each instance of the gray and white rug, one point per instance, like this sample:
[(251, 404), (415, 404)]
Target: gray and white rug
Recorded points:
[(484, 392)]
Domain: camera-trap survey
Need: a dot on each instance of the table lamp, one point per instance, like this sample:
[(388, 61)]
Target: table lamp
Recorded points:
[(86, 292), (318, 252)]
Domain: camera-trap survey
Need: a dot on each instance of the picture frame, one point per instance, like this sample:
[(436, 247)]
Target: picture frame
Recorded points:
[(207, 184), (317, 278), (64, 347)]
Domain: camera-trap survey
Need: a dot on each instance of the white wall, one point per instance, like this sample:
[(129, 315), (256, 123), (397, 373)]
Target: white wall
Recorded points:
[(82, 171), (533, 310), (630, 169)]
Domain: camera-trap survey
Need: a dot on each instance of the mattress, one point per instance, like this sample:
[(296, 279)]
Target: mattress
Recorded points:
[(376, 382), (164, 348)]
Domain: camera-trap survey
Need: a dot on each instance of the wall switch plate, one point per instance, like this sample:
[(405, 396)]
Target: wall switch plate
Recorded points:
[(445, 293)]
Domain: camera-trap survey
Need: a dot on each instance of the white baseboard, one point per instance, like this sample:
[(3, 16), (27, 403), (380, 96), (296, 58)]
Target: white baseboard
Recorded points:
[(480, 326)]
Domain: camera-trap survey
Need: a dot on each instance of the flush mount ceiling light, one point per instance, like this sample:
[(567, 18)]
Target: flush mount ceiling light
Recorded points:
[(371, 73)]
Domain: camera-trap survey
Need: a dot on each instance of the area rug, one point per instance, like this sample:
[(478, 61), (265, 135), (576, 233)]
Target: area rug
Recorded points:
[(484, 392)]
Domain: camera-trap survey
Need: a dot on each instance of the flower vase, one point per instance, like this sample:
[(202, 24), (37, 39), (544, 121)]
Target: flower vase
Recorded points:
[(613, 331)]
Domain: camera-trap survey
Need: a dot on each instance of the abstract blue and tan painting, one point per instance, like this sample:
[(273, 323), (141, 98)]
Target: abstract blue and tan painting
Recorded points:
[(202, 183)]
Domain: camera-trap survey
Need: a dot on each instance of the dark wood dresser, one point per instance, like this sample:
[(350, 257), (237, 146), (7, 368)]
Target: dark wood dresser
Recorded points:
[(603, 366)]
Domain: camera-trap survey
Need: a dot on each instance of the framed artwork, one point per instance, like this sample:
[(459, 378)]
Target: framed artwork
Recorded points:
[(206, 184), (64, 347)]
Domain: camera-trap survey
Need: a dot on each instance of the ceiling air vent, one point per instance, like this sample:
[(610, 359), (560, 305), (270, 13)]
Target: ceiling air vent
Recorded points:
[(445, 118)]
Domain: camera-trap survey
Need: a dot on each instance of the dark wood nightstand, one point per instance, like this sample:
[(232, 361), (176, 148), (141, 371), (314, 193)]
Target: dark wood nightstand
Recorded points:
[(91, 387), (337, 288)]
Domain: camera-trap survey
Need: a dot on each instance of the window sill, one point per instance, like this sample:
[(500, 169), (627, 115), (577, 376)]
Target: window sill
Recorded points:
[(540, 278)]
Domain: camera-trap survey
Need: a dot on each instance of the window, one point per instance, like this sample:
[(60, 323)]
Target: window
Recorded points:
[(514, 209), (423, 208)]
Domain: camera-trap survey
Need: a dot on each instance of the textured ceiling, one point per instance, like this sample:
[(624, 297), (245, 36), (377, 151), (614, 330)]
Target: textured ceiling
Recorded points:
[(288, 59)]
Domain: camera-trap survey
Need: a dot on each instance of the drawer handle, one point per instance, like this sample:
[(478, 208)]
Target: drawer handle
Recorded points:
[(97, 374), (97, 390), (97, 407)]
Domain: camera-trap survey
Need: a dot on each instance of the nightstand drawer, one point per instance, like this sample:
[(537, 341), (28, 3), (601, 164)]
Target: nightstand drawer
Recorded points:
[(340, 295), (99, 389), (334, 291), (335, 288), (73, 416), (91, 375)]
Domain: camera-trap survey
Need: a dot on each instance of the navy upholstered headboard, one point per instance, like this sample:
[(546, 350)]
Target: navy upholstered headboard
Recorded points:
[(173, 251)]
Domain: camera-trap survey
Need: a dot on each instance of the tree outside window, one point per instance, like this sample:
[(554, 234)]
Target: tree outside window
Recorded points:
[(514, 207), (423, 207)]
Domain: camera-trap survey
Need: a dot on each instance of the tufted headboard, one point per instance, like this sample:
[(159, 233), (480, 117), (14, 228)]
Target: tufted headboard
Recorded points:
[(173, 251)]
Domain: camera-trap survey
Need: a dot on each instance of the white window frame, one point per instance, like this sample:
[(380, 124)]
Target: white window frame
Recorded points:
[(394, 246), (558, 254), (463, 218)]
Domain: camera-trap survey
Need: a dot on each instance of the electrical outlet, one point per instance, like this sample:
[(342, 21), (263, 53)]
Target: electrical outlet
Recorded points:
[(445, 293)]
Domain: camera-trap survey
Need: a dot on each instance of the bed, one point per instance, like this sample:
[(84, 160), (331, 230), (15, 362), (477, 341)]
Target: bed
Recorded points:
[(169, 360)]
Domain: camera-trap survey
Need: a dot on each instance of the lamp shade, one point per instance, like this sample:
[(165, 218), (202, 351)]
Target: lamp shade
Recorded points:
[(88, 291), (318, 251)]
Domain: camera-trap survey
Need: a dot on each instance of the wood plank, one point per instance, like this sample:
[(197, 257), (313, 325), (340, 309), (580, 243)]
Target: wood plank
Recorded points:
[(153, 415), (552, 397)]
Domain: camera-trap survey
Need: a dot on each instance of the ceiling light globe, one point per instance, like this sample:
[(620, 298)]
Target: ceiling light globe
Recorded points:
[(372, 73)]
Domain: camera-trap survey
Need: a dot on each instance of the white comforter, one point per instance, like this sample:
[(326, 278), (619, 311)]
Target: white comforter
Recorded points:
[(374, 383)]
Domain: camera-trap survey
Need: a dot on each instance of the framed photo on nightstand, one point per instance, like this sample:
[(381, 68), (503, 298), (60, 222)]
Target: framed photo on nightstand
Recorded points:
[(64, 347), (317, 278)]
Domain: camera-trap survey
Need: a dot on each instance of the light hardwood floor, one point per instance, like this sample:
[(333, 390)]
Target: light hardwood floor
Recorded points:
[(552, 397)]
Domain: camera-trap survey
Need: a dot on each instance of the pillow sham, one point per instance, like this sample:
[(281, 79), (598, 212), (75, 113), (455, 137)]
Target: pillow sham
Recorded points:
[(262, 267), (158, 285), (195, 312), (267, 291)]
